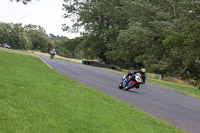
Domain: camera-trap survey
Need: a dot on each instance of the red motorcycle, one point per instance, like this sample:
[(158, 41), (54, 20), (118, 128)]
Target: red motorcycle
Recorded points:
[(131, 82)]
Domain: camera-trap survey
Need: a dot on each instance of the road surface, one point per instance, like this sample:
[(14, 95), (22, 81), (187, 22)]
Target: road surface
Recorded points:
[(180, 110)]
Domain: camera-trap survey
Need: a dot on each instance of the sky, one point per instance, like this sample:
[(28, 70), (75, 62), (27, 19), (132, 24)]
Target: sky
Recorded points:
[(46, 13)]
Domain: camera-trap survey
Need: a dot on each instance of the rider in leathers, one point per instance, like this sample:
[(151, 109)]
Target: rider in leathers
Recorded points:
[(52, 52), (141, 71)]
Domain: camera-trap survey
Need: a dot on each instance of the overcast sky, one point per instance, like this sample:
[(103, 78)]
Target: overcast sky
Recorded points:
[(46, 13)]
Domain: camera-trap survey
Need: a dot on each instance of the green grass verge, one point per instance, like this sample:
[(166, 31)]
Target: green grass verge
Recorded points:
[(35, 98), (189, 90)]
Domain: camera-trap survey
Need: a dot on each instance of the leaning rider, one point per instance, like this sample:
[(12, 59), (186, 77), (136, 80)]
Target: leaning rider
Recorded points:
[(141, 71)]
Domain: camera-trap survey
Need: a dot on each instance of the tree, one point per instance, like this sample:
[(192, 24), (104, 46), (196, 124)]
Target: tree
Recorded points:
[(5, 30), (23, 1), (14, 35), (67, 48), (38, 37), (162, 36), (99, 19), (57, 38), (183, 42)]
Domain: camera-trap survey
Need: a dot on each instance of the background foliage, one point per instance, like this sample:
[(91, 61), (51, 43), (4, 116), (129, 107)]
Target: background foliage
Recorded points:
[(162, 36)]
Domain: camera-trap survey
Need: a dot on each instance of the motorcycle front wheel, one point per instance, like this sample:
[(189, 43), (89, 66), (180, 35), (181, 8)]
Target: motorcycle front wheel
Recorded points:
[(52, 56), (120, 85)]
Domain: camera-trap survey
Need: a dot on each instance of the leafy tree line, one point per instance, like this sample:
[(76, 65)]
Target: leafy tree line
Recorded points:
[(162, 36), (31, 37), (23, 1)]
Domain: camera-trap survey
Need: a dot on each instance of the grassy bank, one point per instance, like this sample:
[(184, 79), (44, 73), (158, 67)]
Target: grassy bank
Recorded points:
[(35, 98), (186, 89)]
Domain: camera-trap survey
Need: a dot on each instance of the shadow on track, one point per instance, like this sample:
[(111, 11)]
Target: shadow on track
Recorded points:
[(133, 91)]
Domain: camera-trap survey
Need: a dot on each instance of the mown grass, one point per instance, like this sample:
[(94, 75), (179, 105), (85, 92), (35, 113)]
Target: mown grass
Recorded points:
[(35, 98), (186, 89)]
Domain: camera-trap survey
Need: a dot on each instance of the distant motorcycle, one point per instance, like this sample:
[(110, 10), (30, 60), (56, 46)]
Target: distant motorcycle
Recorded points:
[(131, 82), (52, 55)]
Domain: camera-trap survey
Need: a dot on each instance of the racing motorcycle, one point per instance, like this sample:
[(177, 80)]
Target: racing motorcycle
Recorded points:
[(131, 82)]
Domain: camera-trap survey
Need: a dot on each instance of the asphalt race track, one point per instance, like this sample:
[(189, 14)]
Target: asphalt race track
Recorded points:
[(175, 108)]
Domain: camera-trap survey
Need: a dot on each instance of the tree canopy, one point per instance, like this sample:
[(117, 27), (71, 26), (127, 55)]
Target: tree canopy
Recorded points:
[(31, 37), (23, 1), (162, 36)]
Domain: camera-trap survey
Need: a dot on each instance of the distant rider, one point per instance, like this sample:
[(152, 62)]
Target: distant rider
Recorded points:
[(132, 74), (52, 52)]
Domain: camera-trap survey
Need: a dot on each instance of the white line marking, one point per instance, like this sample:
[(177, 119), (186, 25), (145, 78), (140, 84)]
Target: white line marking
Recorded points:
[(45, 63)]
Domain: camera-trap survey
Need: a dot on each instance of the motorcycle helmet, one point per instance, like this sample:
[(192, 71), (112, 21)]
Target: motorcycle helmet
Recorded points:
[(143, 70)]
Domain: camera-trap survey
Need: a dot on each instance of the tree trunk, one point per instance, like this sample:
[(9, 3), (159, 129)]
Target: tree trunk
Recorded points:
[(179, 74)]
